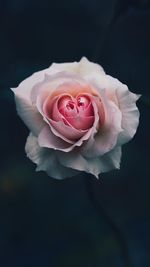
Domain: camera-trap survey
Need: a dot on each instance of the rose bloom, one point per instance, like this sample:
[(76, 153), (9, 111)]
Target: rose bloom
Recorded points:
[(79, 118)]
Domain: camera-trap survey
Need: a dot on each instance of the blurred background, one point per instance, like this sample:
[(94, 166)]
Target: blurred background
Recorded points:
[(45, 222)]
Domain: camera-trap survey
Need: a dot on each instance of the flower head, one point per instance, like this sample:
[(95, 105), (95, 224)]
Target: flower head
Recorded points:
[(78, 118)]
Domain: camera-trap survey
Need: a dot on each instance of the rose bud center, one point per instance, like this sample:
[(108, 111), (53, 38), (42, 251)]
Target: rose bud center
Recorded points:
[(77, 111)]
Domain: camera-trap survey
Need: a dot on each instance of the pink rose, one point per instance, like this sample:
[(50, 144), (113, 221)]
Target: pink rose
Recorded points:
[(78, 117)]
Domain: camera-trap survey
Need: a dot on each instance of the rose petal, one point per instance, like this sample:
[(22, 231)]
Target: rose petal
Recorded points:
[(47, 139), (130, 114), (101, 110), (25, 109), (82, 68), (95, 166), (73, 160), (23, 91), (29, 114), (106, 137), (56, 84), (50, 108), (66, 132), (87, 134), (85, 137), (46, 160), (81, 123), (54, 109), (123, 98), (88, 111)]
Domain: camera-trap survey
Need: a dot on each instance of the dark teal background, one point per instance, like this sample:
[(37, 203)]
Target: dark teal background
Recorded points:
[(45, 222)]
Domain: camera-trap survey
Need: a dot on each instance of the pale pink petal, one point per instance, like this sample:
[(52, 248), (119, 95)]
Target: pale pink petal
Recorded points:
[(29, 114), (123, 98), (85, 134), (75, 111), (130, 114), (57, 109), (50, 109), (106, 137), (88, 111), (47, 139), (53, 108), (81, 123), (100, 104), (66, 132), (87, 67), (73, 85), (104, 82), (84, 138), (73, 160), (95, 166), (82, 68), (126, 102), (90, 133), (55, 85), (110, 160), (23, 91), (46, 159)]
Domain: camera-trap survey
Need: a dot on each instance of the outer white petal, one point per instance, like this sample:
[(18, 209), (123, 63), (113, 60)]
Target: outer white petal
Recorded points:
[(47, 139), (30, 115), (51, 83), (82, 68), (130, 114), (46, 160), (124, 99), (22, 93), (95, 166), (25, 109), (106, 138), (111, 160)]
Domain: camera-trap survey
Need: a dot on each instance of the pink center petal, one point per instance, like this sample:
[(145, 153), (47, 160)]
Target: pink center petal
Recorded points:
[(79, 122), (77, 111), (73, 110)]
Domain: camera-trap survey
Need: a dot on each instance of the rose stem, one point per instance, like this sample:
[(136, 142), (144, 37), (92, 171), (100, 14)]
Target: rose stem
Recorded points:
[(99, 208)]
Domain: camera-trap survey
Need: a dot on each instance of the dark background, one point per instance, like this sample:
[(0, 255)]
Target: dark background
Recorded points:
[(45, 222)]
